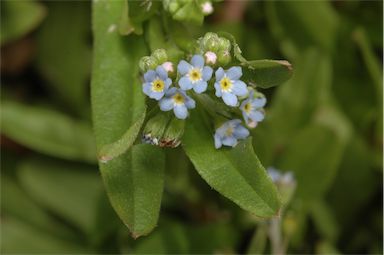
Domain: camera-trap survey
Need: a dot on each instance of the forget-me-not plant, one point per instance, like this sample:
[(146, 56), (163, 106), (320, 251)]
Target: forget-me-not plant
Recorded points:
[(229, 133), (252, 109), (228, 85), (156, 83), (177, 100), (194, 75)]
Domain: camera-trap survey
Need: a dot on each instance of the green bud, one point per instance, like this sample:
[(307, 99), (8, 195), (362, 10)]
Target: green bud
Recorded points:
[(224, 58), (173, 133), (147, 63), (155, 128), (224, 44), (160, 56)]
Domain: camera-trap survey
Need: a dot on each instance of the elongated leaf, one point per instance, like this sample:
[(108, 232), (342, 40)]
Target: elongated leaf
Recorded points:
[(117, 148), (235, 173), (134, 184), (267, 73), (18, 18), (47, 131), (134, 181)]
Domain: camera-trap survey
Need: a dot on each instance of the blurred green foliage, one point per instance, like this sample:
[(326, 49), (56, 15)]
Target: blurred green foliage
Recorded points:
[(325, 125)]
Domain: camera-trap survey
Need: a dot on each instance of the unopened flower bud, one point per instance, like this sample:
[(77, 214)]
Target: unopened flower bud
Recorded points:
[(155, 128), (147, 63), (210, 57), (285, 182), (207, 8), (173, 133), (160, 56), (224, 44), (168, 66), (224, 58)]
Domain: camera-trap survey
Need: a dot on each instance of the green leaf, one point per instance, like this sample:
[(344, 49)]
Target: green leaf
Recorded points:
[(19, 18), (267, 73), (113, 150), (134, 183), (47, 131), (64, 58), (235, 173), (74, 197), (261, 73)]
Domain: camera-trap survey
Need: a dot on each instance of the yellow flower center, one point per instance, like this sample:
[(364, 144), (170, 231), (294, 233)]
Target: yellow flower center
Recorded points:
[(226, 84), (229, 131), (248, 108), (158, 85), (178, 98), (195, 74)]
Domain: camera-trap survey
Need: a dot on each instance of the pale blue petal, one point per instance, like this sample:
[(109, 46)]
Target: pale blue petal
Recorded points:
[(234, 73), (166, 104), (218, 89), (185, 83), (241, 132), (183, 67), (234, 123), (157, 95), (219, 74), (190, 103), (259, 102), (147, 88), (207, 73), (229, 99), (218, 143), (221, 130), (162, 73), (239, 88), (245, 116), (180, 111), (229, 141), (200, 87), (150, 76), (197, 61), (168, 83), (243, 104), (171, 91), (256, 116)]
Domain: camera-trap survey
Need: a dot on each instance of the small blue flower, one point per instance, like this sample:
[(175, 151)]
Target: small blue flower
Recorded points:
[(156, 83), (195, 75), (177, 100), (228, 86), (279, 177), (229, 133), (252, 109)]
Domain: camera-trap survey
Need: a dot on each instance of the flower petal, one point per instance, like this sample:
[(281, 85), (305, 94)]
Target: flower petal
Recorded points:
[(218, 143), (219, 74), (183, 67), (229, 99), (256, 116), (218, 89), (241, 132), (147, 88), (200, 87), (166, 104), (259, 102), (171, 91), (162, 73), (239, 88), (229, 141), (234, 73), (190, 103), (197, 61), (156, 95), (149, 76), (180, 111), (207, 73), (168, 83), (185, 83)]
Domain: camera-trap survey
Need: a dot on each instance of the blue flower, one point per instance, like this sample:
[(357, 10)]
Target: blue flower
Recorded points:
[(195, 75), (228, 86), (156, 83), (177, 100), (229, 133), (252, 109)]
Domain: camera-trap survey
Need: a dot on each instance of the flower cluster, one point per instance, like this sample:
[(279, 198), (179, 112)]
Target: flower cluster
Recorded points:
[(176, 90)]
